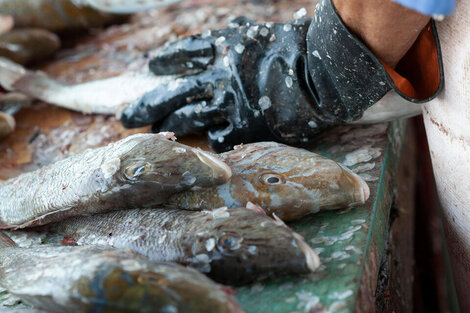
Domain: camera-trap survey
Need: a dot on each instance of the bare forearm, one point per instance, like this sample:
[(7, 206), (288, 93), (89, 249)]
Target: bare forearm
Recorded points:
[(386, 27)]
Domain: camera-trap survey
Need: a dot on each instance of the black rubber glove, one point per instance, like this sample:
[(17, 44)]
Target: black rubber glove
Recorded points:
[(282, 82), (243, 73)]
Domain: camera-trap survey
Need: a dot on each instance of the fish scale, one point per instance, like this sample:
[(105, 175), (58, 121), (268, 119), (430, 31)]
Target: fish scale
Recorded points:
[(233, 246)]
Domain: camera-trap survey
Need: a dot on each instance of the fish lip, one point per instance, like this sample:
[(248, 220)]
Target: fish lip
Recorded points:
[(362, 193), (220, 170)]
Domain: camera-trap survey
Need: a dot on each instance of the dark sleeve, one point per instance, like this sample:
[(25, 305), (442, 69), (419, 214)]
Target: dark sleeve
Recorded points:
[(347, 78)]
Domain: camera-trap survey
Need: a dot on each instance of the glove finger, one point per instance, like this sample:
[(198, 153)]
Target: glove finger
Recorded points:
[(222, 140), (155, 105), (193, 118), (188, 54)]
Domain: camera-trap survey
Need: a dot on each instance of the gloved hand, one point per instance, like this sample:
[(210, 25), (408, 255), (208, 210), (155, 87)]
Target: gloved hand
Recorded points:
[(249, 85), (282, 82)]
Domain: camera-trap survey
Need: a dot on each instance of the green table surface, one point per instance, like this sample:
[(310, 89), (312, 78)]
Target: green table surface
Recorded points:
[(350, 242)]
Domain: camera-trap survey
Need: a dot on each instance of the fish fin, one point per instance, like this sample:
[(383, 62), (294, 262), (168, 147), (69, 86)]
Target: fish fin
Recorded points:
[(228, 290), (167, 135), (279, 221), (311, 257), (37, 85), (251, 206), (69, 241), (6, 241)]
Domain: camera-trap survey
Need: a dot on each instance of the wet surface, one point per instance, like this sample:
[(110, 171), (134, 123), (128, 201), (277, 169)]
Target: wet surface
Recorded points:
[(345, 239)]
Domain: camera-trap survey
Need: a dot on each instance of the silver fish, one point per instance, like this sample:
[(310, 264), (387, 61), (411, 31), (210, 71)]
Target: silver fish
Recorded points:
[(89, 97), (100, 279), (139, 171), (232, 246), (284, 180)]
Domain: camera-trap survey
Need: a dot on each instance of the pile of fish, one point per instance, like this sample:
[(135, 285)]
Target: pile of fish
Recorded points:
[(145, 224), (135, 225), (28, 35)]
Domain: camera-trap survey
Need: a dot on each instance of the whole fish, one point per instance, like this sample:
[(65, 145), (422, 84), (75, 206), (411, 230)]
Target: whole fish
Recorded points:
[(232, 246), (28, 45), (88, 97), (139, 171), (99, 279), (284, 180)]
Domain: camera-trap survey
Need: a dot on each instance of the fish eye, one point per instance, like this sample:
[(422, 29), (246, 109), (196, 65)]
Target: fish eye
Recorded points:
[(272, 179), (229, 242), (151, 279), (136, 170)]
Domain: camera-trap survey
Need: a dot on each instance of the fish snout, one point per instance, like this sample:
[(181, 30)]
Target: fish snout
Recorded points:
[(362, 191), (220, 171)]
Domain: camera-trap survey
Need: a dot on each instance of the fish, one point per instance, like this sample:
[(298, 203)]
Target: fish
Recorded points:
[(55, 15), (7, 125), (12, 102), (287, 181), (103, 279), (231, 246), (68, 15), (128, 6), (141, 170), (89, 97), (28, 45)]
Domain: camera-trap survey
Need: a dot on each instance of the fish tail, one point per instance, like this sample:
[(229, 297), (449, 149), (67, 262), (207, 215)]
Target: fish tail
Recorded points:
[(10, 72), (6, 241), (15, 77), (37, 85)]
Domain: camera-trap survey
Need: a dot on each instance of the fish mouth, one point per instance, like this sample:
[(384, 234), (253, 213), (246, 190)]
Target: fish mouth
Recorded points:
[(362, 191), (221, 172)]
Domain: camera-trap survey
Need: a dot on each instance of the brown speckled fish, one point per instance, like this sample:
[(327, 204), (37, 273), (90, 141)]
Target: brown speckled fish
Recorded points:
[(288, 181), (139, 171), (232, 246), (100, 279)]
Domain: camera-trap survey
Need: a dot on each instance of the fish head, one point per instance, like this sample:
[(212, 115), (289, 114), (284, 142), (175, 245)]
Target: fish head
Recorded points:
[(241, 245), (292, 182), (153, 161)]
